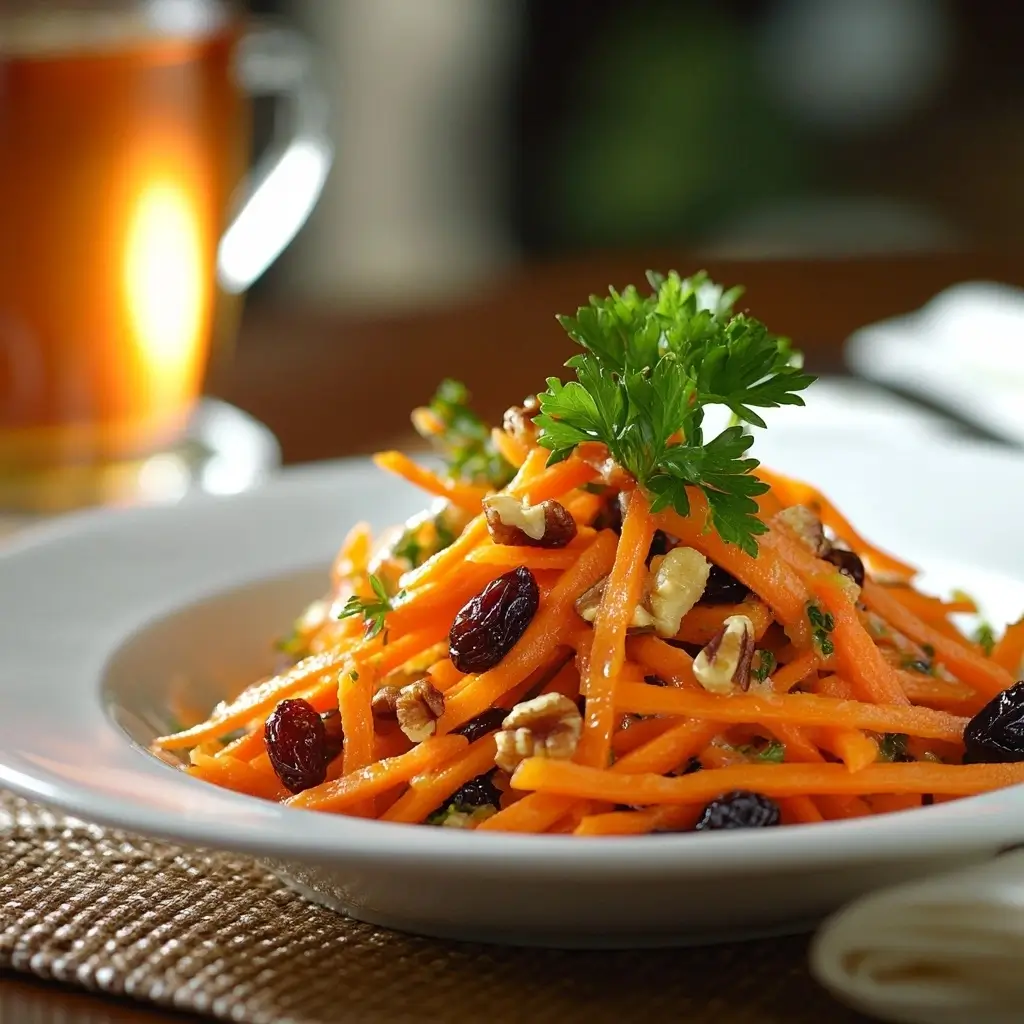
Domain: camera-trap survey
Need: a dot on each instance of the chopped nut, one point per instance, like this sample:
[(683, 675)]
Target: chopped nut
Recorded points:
[(806, 525), (518, 421), (725, 662), (675, 583), (590, 600), (418, 707), (385, 702), (511, 521), (547, 726)]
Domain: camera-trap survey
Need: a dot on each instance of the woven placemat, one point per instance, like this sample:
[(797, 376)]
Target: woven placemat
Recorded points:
[(217, 935)]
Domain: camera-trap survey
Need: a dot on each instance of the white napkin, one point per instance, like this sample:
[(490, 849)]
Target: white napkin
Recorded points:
[(963, 350), (946, 950)]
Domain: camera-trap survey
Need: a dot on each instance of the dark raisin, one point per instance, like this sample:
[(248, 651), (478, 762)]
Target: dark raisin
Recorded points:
[(848, 563), (296, 741), (692, 765), (996, 733), (919, 666), (334, 737), (661, 544), (738, 809), (478, 792), (654, 680), (610, 516), (490, 624), (723, 588), (487, 721)]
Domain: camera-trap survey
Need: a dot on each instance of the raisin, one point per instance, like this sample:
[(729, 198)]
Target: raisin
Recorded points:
[(848, 563), (692, 765), (478, 792), (487, 721), (654, 680), (490, 624), (995, 735), (297, 745), (723, 588), (661, 544), (738, 809)]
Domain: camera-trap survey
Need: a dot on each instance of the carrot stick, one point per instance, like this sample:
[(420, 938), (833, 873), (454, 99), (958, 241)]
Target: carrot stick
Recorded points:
[(556, 481), (465, 496), (240, 776), (946, 694), (782, 780), (796, 492), (929, 608), (969, 665), (639, 733), (256, 701), (768, 575), (246, 747), (701, 623), (441, 600), (511, 449), (635, 823), (553, 622), (340, 794), (390, 743), (428, 790), (438, 566), (796, 708), (353, 555), (583, 507), (795, 672), (508, 556), (672, 664), (355, 690), (444, 674), (799, 810), (1008, 652), (872, 676), (620, 598)]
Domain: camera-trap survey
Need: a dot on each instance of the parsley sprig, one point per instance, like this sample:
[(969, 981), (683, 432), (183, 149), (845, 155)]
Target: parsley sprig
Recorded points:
[(651, 365), (373, 610)]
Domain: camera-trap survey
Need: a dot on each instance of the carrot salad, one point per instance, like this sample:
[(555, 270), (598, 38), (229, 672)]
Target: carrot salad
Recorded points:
[(610, 623)]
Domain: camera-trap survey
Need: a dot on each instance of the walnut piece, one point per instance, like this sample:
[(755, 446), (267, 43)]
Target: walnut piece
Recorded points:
[(384, 702), (805, 524), (724, 663), (546, 726), (590, 600), (518, 421), (515, 522), (417, 708), (675, 584)]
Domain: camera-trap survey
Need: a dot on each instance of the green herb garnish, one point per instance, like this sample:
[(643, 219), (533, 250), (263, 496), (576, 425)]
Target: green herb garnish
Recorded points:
[(772, 751), (822, 624), (463, 440), (892, 746), (651, 366), (985, 638), (373, 610), (765, 666)]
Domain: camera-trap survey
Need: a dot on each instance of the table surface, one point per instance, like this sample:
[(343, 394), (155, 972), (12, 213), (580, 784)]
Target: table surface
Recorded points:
[(330, 383)]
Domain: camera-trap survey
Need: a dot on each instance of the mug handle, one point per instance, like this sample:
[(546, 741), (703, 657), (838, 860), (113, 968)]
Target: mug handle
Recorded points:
[(286, 183)]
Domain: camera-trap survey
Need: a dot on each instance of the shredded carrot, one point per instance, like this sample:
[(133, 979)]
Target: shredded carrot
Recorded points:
[(355, 691), (444, 674), (970, 666), (702, 622), (620, 598), (511, 449), (670, 663), (509, 556), (238, 775), (795, 672), (872, 676), (463, 495), (796, 708), (799, 810), (428, 790), (635, 823), (947, 694), (1008, 652), (374, 779), (564, 778), (639, 732)]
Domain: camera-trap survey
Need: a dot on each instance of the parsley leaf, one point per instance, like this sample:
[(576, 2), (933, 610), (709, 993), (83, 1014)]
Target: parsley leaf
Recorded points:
[(373, 610), (985, 638), (461, 437), (765, 666), (892, 746), (651, 365), (822, 624)]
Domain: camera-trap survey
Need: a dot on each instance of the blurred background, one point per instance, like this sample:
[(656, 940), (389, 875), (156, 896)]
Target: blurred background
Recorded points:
[(475, 134)]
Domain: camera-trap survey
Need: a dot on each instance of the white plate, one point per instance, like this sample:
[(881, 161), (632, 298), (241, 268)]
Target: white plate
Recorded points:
[(99, 622)]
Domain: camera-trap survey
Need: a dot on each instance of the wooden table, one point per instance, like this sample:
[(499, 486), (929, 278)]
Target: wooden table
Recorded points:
[(330, 384)]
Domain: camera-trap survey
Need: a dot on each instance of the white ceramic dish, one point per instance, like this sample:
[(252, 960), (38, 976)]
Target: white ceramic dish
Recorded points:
[(99, 623)]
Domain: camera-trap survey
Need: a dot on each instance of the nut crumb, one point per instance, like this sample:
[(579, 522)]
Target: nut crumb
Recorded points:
[(514, 522), (384, 702), (546, 726), (418, 707)]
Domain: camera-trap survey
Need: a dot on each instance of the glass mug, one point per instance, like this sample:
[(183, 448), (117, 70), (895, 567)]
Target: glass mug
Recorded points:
[(128, 224)]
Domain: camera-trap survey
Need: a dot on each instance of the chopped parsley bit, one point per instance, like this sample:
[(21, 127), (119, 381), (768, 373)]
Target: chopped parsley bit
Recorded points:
[(457, 816), (764, 667), (373, 610), (651, 366), (912, 664), (354, 676), (772, 751), (985, 638), (928, 649), (461, 437), (892, 746), (822, 624)]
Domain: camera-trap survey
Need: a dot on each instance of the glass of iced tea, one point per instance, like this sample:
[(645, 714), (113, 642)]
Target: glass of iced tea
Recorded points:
[(129, 221)]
